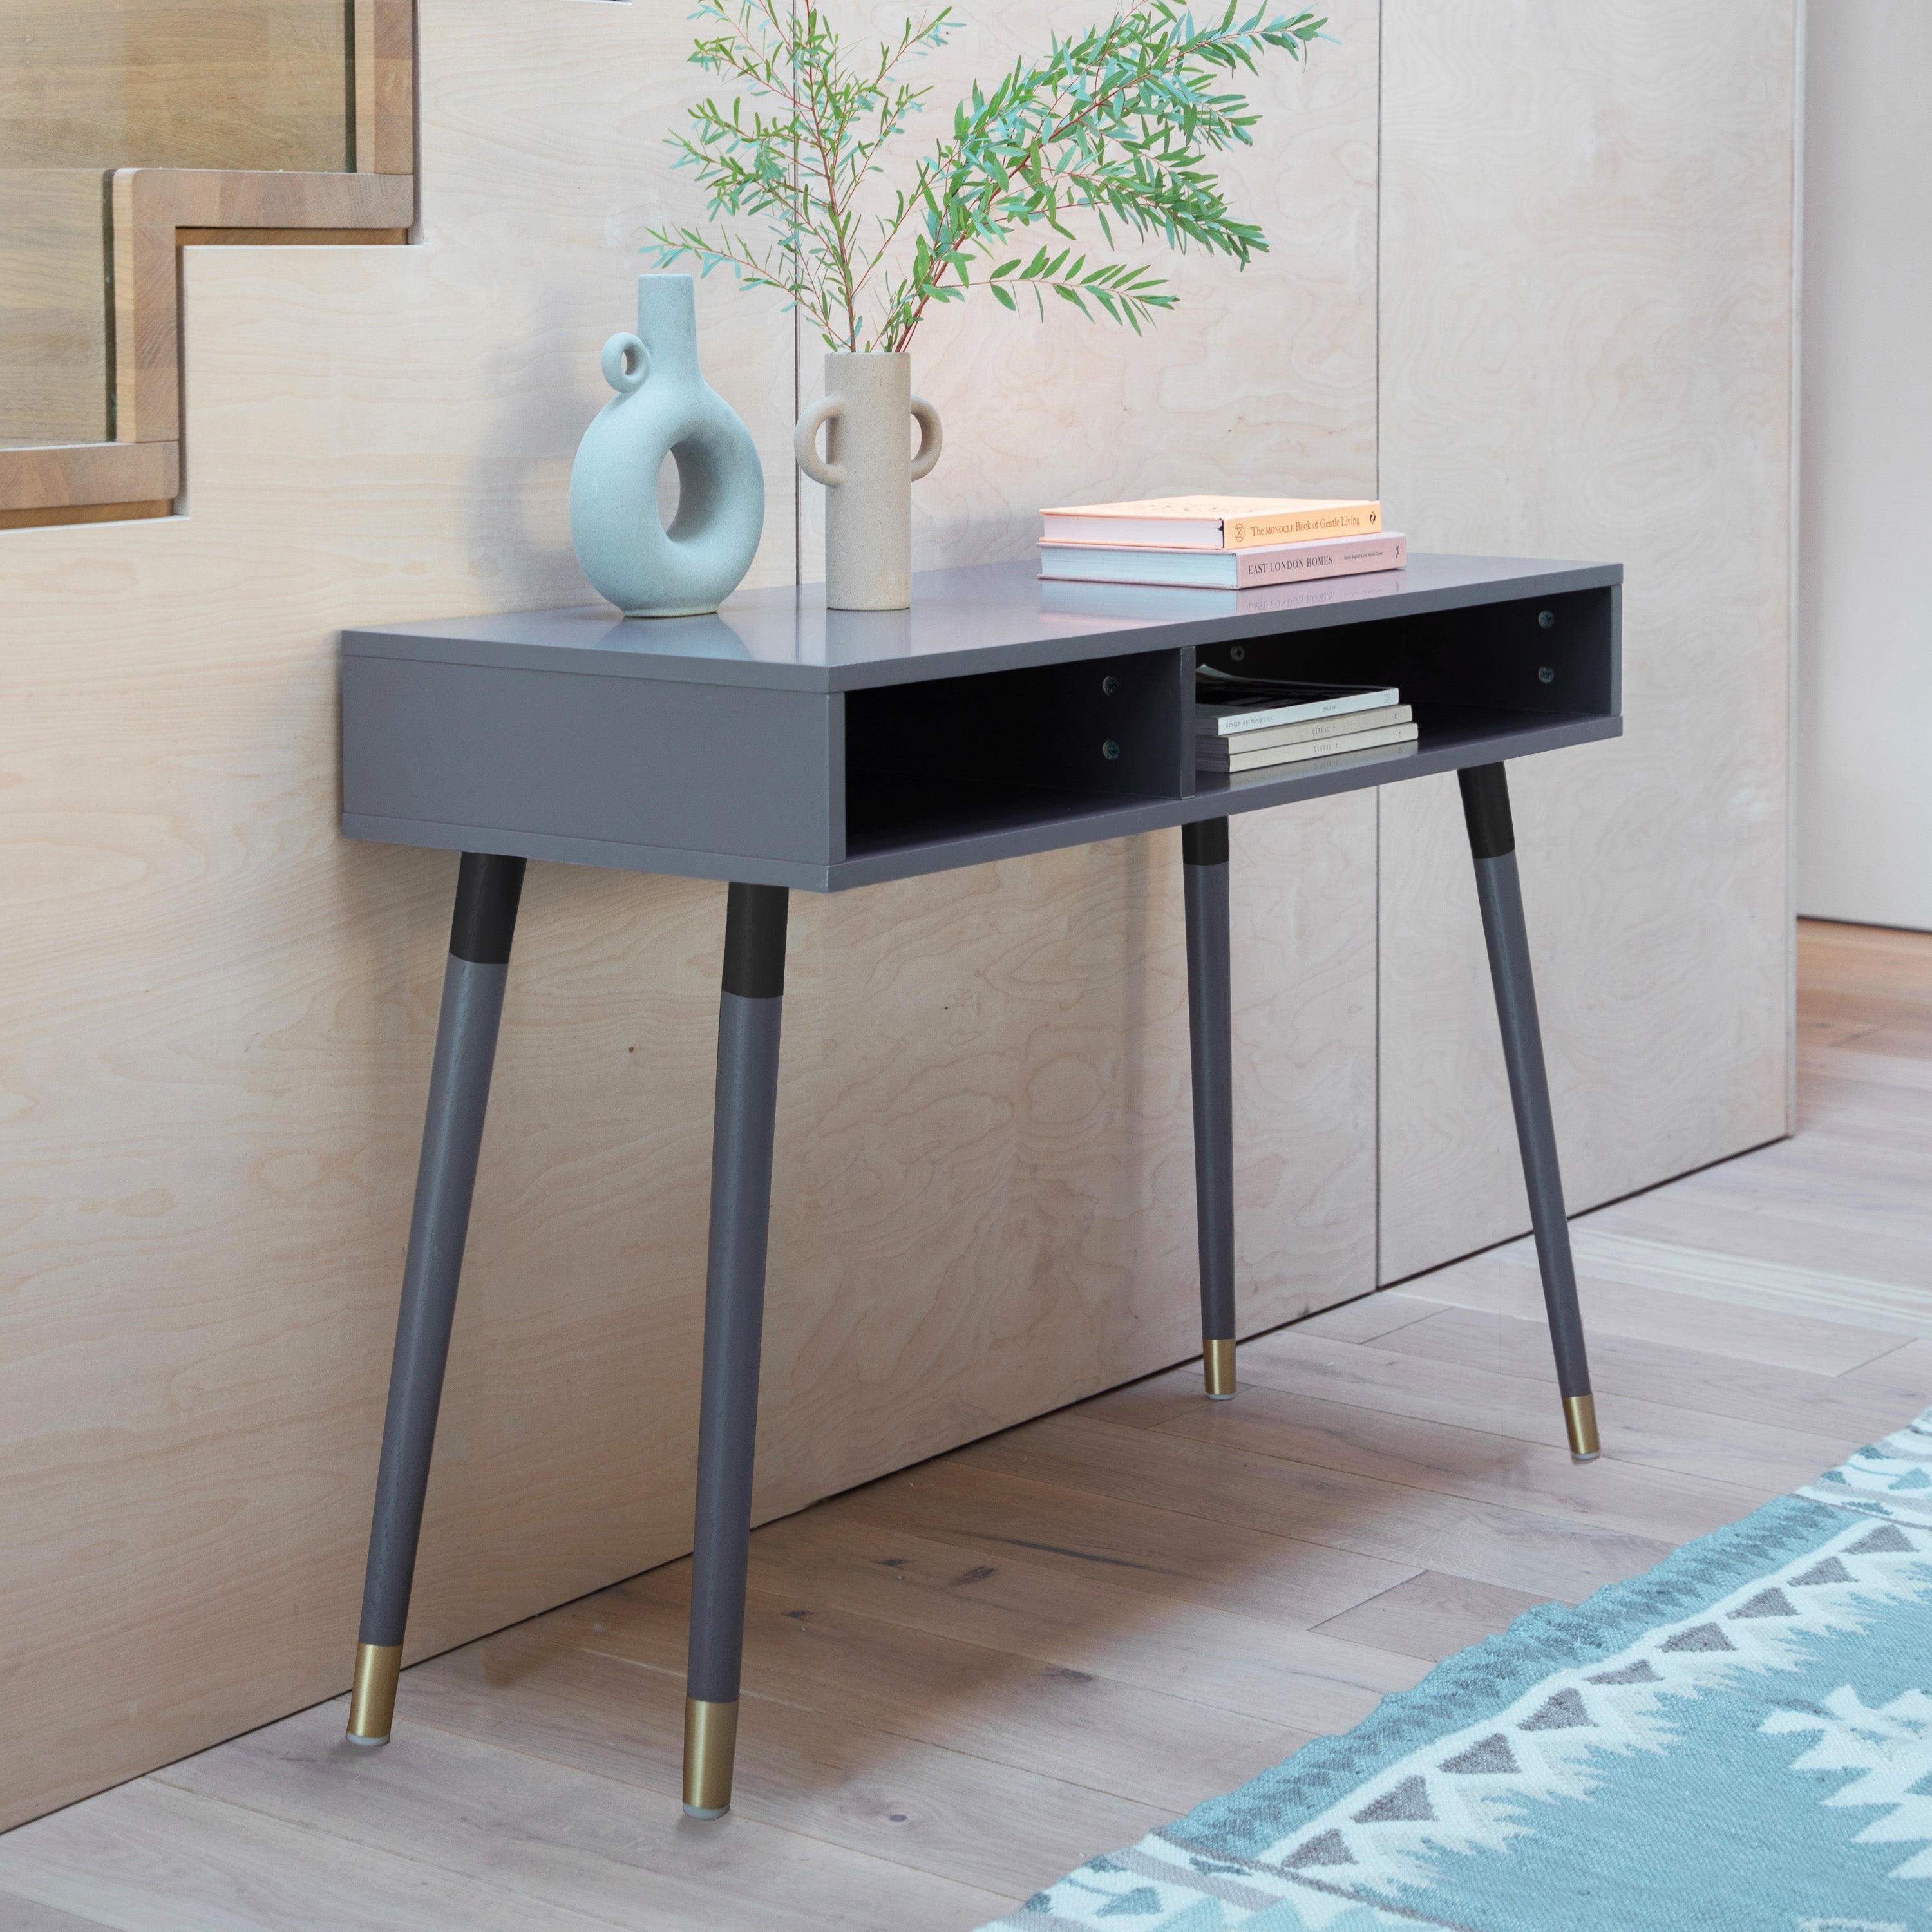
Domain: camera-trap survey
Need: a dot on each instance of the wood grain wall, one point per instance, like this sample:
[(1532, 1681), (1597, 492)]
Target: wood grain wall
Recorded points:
[(1586, 278), (215, 1014)]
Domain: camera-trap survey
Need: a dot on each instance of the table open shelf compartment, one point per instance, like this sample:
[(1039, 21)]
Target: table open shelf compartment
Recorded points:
[(948, 758), (1471, 675)]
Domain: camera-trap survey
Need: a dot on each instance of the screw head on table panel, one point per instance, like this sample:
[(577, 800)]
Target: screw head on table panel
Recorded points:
[(1110, 750), (1239, 652), (1546, 619), (1111, 685), (1546, 675)]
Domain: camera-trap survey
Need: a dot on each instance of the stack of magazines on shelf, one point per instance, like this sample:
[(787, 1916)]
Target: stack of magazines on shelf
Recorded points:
[(1248, 724), (1217, 543)]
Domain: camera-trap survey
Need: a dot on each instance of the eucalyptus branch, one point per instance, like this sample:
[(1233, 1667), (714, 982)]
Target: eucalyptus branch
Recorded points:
[(1117, 124)]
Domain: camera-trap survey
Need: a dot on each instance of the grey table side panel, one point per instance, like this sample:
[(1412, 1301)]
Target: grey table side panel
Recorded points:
[(1254, 791), (490, 753), (1017, 636), (1617, 645)]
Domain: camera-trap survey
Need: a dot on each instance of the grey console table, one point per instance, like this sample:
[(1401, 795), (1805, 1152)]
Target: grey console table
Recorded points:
[(778, 744)]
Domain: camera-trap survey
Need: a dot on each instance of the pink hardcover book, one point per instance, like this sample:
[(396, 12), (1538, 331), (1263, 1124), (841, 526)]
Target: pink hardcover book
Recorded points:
[(1225, 569)]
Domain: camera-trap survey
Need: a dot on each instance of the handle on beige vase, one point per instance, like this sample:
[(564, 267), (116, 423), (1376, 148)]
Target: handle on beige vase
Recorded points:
[(932, 437), (804, 442)]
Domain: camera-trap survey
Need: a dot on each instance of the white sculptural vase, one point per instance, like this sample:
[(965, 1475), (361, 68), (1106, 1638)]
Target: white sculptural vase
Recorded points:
[(868, 470), (664, 407)]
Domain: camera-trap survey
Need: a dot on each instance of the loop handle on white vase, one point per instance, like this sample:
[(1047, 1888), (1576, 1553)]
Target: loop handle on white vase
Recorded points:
[(627, 362), (931, 436), (804, 442)]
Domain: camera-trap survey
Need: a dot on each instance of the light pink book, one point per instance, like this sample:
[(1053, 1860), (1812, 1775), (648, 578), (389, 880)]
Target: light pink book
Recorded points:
[(1223, 569)]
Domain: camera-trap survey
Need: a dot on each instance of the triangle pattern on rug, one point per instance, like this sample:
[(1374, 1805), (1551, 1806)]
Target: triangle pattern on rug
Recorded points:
[(1886, 1542), (1492, 1755), (1330, 1848), (1563, 1712), (1829, 1571), (1699, 1636), (1408, 1804), (1641, 1672)]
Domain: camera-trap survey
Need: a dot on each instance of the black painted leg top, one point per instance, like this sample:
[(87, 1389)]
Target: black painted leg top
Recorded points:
[(1204, 842), (489, 888), (755, 941), (1485, 807)]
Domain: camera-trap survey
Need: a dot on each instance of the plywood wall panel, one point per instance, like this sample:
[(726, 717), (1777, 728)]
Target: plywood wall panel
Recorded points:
[(216, 1014), (1586, 317)]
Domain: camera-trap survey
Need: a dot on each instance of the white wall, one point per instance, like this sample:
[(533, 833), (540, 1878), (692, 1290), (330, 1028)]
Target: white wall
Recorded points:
[(1864, 780)]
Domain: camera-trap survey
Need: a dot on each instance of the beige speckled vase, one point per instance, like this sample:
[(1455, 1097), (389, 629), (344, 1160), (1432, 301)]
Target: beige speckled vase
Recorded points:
[(869, 473)]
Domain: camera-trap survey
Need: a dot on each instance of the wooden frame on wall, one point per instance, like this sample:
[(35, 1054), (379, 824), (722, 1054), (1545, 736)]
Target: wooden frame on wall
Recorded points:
[(153, 214)]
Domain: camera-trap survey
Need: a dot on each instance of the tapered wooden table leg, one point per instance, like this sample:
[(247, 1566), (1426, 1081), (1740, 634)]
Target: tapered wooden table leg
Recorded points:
[(487, 890), (1203, 871), (1486, 808), (734, 1311)]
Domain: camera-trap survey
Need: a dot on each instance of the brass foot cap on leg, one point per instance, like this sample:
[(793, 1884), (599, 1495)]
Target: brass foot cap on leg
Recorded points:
[(1217, 1363), (1579, 1417), (372, 1702), (710, 1743)]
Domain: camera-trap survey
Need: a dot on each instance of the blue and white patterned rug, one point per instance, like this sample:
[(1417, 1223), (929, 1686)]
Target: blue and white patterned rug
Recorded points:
[(1739, 1741)]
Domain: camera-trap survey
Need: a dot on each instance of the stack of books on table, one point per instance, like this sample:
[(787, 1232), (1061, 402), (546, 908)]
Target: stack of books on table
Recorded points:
[(1217, 543), (1247, 724)]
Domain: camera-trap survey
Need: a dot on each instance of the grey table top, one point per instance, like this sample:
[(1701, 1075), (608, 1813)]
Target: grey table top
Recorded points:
[(982, 617)]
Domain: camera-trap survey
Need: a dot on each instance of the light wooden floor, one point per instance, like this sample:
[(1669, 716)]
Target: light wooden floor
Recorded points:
[(964, 1679)]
